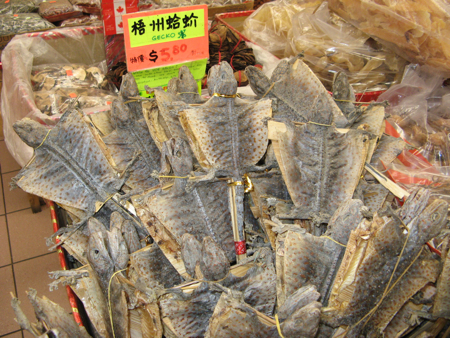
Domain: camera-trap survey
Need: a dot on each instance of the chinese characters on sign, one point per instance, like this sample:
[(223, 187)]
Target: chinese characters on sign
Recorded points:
[(138, 26), (163, 37), (143, 30)]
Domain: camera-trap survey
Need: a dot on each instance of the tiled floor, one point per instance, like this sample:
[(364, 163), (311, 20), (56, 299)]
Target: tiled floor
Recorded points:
[(24, 257)]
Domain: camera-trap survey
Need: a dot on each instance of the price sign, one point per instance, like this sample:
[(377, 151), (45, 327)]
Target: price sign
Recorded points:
[(165, 37)]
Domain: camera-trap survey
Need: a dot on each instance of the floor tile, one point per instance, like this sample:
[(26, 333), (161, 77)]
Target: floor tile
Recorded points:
[(2, 137), (7, 162), (2, 205), (6, 312), (5, 255), (28, 232), (34, 273), (16, 199), (15, 335)]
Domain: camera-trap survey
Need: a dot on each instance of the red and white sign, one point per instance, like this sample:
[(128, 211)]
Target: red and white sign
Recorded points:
[(113, 10)]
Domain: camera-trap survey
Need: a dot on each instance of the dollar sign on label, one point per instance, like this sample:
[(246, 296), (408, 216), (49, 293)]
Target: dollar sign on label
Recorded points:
[(153, 56)]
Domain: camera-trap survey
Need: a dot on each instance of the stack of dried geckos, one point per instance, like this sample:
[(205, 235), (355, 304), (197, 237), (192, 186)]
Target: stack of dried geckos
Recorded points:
[(238, 218)]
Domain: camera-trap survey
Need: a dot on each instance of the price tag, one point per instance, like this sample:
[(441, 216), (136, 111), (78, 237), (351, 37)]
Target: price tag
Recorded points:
[(159, 77), (165, 37)]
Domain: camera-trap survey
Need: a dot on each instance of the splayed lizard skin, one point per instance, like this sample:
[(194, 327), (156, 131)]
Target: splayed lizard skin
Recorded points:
[(178, 97), (128, 231), (88, 290), (185, 86), (130, 136), (201, 212), (425, 270), (189, 315), (372, 194), (69, 166), (128, 92), (305, 259), (258, 285), (227, 135), (191, 254), (379, 259), (441, 306), (321, 167), (153, 268), (99, 257), (204, 261), (76, 245), (214, 264), (298, 94), (387, 150), (233, 318), (55, 316), (103, 265), (342, 90), (165, 106)]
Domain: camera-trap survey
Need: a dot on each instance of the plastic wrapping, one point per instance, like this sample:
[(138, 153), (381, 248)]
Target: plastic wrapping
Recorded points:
[(418, 114), (23, 23), (58, 10), (18, 6), (329, 44), (52, 77), (63, 46), (269, 26), (85, 20), (159, 4), (54, 103), (89, 6), (417, 30)]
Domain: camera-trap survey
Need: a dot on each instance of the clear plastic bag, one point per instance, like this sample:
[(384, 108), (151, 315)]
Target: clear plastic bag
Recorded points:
[(85, 20), (52, 77), (269, 26), (415, 111), (328, 43), (18, 6), (89, 6), (417, 30), (60, 46), (23, 23), (158, 4), (58, 10), (55, 103)]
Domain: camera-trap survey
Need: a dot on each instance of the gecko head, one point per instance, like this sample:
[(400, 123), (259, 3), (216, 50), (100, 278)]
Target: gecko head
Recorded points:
[(433, 218), (179, 156), (31, 132), (98, 255), (186, 81), (129, 87), (221, 80), (259, 82), (120, 114)]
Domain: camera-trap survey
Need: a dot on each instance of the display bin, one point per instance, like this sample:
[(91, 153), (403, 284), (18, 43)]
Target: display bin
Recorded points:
[(83, 45), (59, 220)]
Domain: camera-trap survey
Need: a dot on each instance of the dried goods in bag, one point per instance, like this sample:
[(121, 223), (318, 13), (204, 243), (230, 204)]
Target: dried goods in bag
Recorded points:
[(58, 10), (23, 23), (328, 43), (418, 30)]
